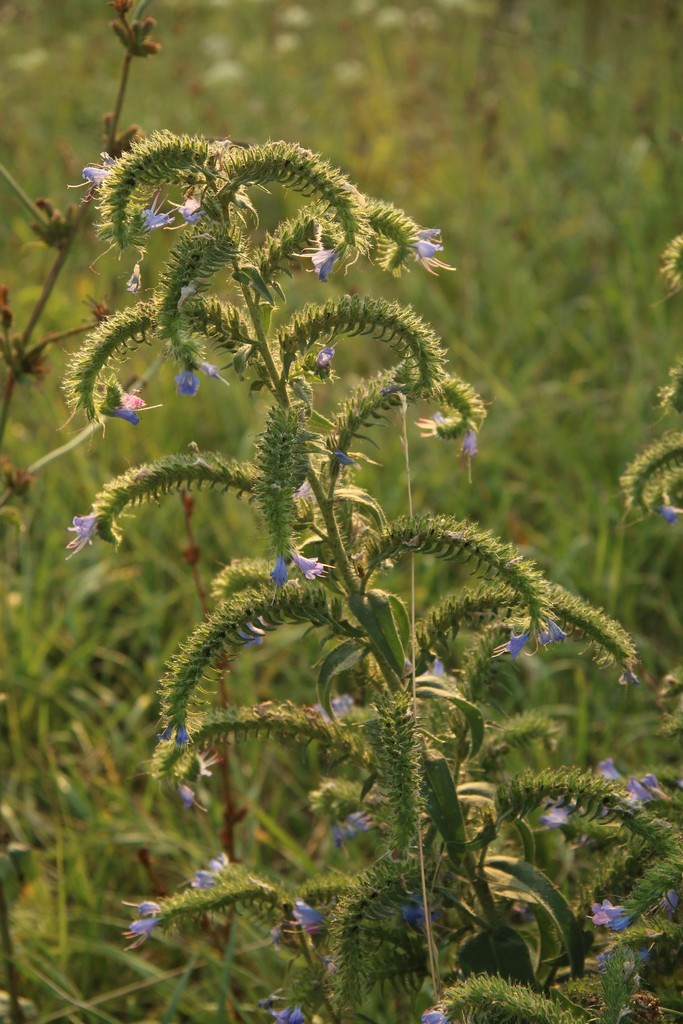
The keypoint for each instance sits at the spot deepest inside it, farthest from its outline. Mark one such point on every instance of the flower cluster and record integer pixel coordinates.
(310, 567)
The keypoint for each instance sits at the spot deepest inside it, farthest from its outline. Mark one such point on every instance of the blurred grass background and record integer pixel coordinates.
(544, 139)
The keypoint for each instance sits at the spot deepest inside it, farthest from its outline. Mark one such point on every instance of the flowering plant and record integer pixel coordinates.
(448, 893)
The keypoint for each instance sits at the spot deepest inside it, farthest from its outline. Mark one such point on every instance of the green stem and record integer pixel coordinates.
(20, 194)
(53, 336)
(334, 540)
(277, 381)
(6, 399)
(8, 957)
(123, 82)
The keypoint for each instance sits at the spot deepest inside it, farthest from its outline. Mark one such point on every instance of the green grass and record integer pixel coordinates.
(544, 140)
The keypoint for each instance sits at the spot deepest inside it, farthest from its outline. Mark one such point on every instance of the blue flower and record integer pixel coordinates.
(125, 414)
(514, 646)
(219, 863)
(279, 573)
(212, 371)
(96, 174)
(203, 880)
(290, 1015)
(310, 920)
(426, 249)
(669, 513)
(342, 704)
(645, 789)
(182, 736)
(166, 733)
(85, 528)
(469, 444)
(390, 389)
(556, 815)
(413, 913)
(669, 903)
(186, 795)
(627, 676)
(612, 917)
(190, 210)
(187, 383)
(552, 635)
(135, 280)
(324, 358)
(354, 823)
(437, 667)
(254, 637)
(153, 218)
(141, 930)
(323, 261)
(608, 769)
(304, 493)
(343, 458)
(433, 1017)
(310, 567)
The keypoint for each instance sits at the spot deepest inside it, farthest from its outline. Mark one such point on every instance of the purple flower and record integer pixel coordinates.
(187, 383)
(627, 676)
(310, 920)
(390, 389)
(254, 637)
(153, 218)
(219, 863)
(130, 403)
(148, 907)
(310, 567)
(211, 371)
(556, 815)
(437, 667)
(343, 458)
(181, 736)
(645, 789)
(612, 917)
(324, 358)
(290, 1015)
(186, 795)
(669, 903)
(279, 573)
(85, 528)
(469, 444)
(323, 261)
(203, 880)
(141, 930)
(433, 1017)
(342, 704)
(96, 174)
(190, 210)
(354, 823)
(608, 769)
(165, 734)
(669, 513)
(552, 635)
(514, 646)
(304, 493)
(135, 280)
(425, 249)
(413, 913)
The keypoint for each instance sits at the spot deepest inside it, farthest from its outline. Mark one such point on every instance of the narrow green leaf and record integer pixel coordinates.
(470, 712)
(535, 887)
(341, 659)
(373, 611)
(444, 806)
(400, 613)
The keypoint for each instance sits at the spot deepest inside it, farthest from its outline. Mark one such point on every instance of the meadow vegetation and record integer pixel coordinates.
(544, 140)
